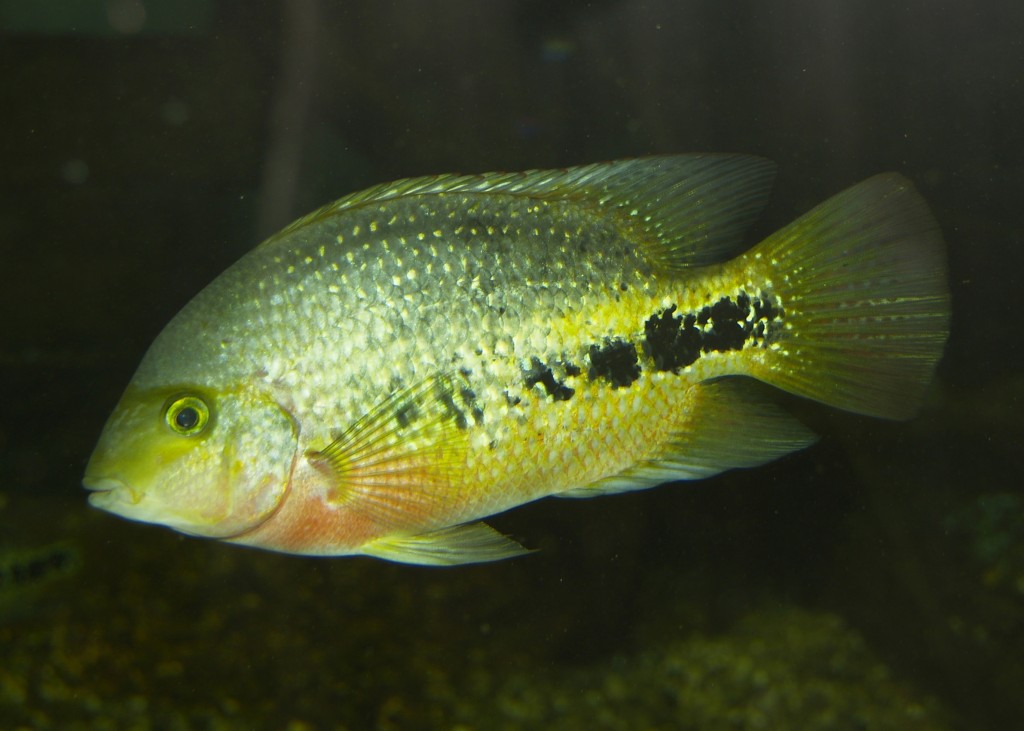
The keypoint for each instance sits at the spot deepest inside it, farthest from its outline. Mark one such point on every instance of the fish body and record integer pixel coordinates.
(27, 573)
(399, 364)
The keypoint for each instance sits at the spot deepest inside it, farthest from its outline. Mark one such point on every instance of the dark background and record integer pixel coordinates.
(145, 145)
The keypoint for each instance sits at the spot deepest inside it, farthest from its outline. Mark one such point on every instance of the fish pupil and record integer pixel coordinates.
(187, 418)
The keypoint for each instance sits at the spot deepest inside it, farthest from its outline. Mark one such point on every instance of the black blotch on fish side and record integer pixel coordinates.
(727, 321)
(468, 397)
(675, 341)
(406, 414)
(615, 361)
(451, 410)
(730, 327)
(766, 312)
(672, 342)
(542, 374)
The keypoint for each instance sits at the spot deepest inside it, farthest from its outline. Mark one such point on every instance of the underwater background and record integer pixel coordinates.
(873, 581)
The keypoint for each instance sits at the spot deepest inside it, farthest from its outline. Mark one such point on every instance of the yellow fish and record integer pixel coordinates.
(399, 364)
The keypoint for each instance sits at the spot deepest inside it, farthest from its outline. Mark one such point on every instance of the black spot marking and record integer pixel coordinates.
(676, 341)
(406, 414)
(468, 396)
(451, 409)
(535, 373)
(672, 342)
(727, 325)
(615, 361)
(542, 374)
(572, 369)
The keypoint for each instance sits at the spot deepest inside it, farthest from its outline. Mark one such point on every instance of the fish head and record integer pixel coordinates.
(208, 462)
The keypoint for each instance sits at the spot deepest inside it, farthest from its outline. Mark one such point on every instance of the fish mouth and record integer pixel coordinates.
(108, 491)
(101, 484)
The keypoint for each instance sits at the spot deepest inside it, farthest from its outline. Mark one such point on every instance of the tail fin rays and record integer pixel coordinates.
(862, 281)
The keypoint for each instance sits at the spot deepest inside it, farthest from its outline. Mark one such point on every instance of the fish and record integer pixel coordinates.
(27, 572)
(400, 364)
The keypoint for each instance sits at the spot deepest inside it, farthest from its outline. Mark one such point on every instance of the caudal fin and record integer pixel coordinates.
(862, 282)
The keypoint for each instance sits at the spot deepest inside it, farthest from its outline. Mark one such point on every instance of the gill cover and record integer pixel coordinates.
(207, 463)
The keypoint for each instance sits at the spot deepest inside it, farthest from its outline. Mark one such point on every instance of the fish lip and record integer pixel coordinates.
(109, 491)
(101, 484)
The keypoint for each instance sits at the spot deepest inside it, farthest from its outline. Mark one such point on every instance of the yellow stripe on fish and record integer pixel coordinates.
(401, 363)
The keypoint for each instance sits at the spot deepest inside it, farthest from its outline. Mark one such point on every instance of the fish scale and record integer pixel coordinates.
(476, 277)
(412, 358)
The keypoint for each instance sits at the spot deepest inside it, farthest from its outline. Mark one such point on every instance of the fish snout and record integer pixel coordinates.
(108, 491)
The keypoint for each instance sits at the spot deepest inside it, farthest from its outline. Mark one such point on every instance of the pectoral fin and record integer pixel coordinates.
(460, 544)
(402, 460)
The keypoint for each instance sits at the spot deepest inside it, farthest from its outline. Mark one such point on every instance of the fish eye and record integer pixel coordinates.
(187, 415)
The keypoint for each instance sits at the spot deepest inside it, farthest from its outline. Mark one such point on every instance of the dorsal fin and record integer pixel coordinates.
(687, 210)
